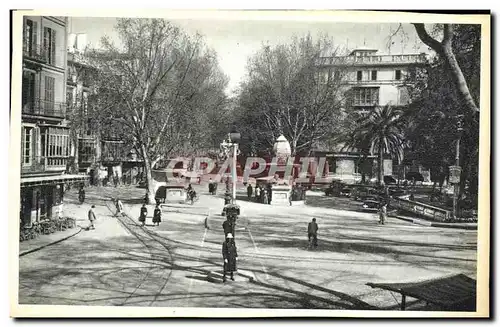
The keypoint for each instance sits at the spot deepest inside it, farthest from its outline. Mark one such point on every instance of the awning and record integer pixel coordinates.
(52, 180)
(457, 292)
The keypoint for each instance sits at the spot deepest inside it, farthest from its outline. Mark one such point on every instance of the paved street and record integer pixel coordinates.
(121, 263)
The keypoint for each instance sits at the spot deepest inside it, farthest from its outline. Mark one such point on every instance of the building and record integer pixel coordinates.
(96, 151)
(370, 80)
(45, 141)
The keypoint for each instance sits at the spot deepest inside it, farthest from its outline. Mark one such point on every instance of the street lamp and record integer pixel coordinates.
(234, 138)
(455, 171)
(227, 145)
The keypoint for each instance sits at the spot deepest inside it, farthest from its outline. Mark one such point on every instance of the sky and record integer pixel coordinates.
(236, 40)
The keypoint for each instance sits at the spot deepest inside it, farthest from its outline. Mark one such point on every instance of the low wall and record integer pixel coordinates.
(421, 209)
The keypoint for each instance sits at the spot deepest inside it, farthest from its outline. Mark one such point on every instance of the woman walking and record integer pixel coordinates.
(144, 213)
(157, 216)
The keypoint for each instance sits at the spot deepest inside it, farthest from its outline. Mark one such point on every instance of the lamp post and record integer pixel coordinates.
(455, 171)
(231, 146)
(234, 138)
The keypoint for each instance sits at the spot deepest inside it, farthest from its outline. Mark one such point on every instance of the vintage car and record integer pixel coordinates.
(335, 188)
(171, 194)
(346, 192)
(371, 205)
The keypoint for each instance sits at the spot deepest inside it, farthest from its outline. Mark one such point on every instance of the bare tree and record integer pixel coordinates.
(153, 87)
(290, 91)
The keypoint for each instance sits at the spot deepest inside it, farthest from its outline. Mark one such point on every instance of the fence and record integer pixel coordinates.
(421, 209)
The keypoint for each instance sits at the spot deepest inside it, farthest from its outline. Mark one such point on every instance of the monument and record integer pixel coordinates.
(281, 189)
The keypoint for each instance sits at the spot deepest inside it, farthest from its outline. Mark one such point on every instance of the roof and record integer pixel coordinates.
(449, 292)
(52, 179)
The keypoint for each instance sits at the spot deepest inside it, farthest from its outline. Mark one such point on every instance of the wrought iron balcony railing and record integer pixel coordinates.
(42, 107)
(43, 54)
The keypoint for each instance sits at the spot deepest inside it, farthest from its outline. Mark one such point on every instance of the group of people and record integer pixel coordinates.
(260, 193)
(156, 215)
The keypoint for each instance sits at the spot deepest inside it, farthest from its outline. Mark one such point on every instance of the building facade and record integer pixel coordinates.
(370, 79)
(45, 139)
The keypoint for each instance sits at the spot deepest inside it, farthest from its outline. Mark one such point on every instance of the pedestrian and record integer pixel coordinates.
(257, 193)
(269, 193)
(157, 215)
(249, 191)
(312, 232)
(119, 207)
(230, 256)
(210, 186)
(228, 226)
(144, 213)
(382, 213)
(265, 198)
(92, 217)
(81, 194)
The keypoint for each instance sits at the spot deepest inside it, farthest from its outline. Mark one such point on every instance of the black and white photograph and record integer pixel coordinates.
(249, 164)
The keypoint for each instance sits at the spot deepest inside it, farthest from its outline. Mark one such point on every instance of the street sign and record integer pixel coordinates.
(455, 174)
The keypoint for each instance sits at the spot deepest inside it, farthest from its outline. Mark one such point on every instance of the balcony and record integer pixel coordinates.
(405, 59)
(42, 54)
(41, 107)
(41, 164)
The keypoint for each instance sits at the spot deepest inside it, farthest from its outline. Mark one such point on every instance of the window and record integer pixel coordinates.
(49, 45)
(398, 74)
(336, 76)
(49, 92)
(28, 92)
(69, 97)
(27, 146)
(30, 37)
(55, 146)
(374, 75)
(367, 96)
(359, 75)
(86, 150)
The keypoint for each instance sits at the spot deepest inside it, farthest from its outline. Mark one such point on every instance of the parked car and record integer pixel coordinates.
(371, 205)
(361, 193)
(346, 192)
(396, 191)
(334, 188)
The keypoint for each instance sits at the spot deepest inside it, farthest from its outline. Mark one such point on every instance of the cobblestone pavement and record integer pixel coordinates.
(122, 263)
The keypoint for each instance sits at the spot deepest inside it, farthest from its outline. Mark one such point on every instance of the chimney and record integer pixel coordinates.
(71, 42)
(81, 42)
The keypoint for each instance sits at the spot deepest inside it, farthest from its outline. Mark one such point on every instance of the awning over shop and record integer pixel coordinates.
(457, 292)
(52, 180)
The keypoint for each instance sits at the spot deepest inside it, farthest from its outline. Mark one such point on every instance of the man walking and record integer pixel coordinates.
(81, 194)
(382, 213)
(92, 217)
(119, 208)
(312, 232)
(230, 255)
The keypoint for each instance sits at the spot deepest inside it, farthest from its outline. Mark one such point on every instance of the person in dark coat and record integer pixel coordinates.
(157, 215)
(144, 213)
(230, 256)
(119, 208)
(312, 231)
(228, 226)
(81, 194)
(269, 193)
(249, 191)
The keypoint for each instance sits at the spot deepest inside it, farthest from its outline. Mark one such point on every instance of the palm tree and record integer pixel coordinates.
(381, 130)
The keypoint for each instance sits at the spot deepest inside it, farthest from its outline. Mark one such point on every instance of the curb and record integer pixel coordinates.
(49, 244)
(435, 224)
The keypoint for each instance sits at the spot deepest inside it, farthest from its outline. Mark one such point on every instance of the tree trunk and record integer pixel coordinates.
(74, 165)
(150, 188)
(445, 50)
(380, 165)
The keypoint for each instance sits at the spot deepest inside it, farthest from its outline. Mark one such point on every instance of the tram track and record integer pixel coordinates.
(144, 239)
